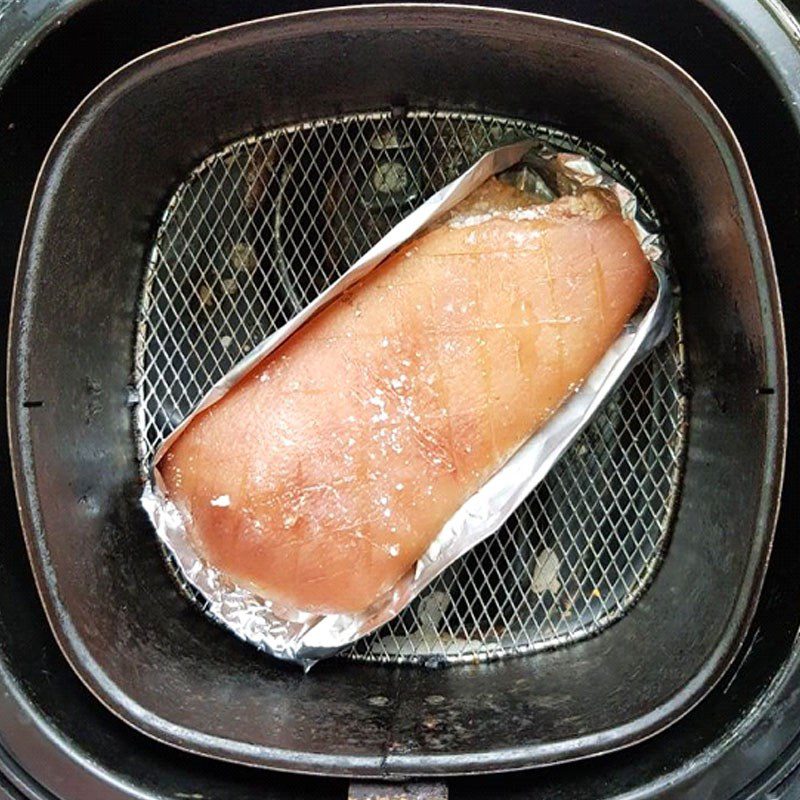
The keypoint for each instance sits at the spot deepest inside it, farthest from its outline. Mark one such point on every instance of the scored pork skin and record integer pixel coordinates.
(325, 473)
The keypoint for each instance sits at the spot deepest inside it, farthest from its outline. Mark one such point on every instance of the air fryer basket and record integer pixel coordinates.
(260, 227)
(130, 636)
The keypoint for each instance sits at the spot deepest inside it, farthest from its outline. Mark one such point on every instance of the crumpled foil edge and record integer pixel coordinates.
(305, 637)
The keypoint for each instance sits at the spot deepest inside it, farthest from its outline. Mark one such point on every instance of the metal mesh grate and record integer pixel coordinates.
(258, 229)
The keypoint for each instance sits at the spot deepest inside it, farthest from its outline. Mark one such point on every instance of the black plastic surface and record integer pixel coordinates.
(122, 624)
(712, 753)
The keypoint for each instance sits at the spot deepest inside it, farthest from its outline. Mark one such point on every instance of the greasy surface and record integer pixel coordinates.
(323, 475)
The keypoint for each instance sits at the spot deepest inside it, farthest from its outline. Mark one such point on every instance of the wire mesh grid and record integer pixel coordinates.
(261, 227)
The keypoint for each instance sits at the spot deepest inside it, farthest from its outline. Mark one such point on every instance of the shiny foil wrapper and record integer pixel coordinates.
(304, 637)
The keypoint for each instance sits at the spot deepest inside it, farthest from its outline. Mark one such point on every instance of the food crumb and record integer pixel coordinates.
(206, 295)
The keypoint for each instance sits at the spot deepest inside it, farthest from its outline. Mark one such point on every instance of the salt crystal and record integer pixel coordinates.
(467, 221)
(223, 501)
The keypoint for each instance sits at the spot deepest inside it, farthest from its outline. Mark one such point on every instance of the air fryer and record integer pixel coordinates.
(763, 389)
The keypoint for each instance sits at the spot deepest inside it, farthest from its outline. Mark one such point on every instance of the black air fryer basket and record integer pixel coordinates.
(208, 189)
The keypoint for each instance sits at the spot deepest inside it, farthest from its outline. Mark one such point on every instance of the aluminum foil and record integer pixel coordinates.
(304, 637)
